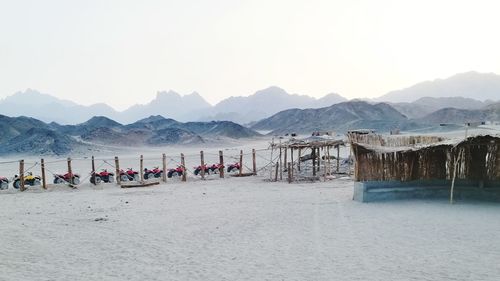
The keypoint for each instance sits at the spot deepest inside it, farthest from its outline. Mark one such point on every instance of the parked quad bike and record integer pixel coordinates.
(29, 179)
(68, 177)
(233, 167)
(4, 183)
(197, 170)
(102, 176)
(129, 175)
(177, 172)
(155, 173)
(215, 168)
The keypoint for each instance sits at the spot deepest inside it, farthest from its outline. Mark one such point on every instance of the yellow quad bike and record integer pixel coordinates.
(29, 179)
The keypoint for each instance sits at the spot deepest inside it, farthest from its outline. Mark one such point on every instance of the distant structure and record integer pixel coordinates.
(323, 133)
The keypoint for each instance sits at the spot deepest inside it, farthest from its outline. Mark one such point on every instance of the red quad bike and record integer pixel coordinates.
(233, 167)
(155, 173)
(177, 172)
(197, 170)
(129, 175)
(68, 177)
(215, 168)
(4, 183)
(102, 176)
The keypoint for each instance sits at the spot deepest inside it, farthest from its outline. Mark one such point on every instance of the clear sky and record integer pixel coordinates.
(123, 52)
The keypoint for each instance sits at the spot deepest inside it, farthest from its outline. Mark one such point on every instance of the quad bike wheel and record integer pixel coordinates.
(123, 177)
(58, 180)
(95, 179)
(4, 184)
(17, 184)
(76, 180)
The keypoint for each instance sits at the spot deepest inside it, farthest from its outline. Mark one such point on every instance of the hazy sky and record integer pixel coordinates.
(123, 52)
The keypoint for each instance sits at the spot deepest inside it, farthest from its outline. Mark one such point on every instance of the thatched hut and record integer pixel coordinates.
(422, 166)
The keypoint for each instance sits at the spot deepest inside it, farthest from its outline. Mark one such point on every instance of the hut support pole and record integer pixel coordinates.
(285, 161)
(289, 172)
(298, 162)
(291, 158)
(281, 164)
(276, 173)
(338, 158)
(314, 160)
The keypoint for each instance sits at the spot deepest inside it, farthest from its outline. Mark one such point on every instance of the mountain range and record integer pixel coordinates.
(29, 135)
(470, 90)
(382, 117)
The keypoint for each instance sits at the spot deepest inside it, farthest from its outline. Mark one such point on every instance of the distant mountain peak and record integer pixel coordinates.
(152, 118)
(472, 84)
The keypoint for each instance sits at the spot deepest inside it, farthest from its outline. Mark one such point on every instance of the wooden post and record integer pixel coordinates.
(291, 158)
(202, 161)
(70, 171)
(285, 156)
(338, 158)
(281, 164)
(276, 173)
(324, 164)
(221, 162)
(349, 160)
(298, 159)
(117, 170)
(241, 162)
(313, 155)
(254, 163)
(329, 164)
(289, 170)
(93, 171)
(183, 164)
(141, 167)
(21, 175)
(44, 181)
(164, 173)
(319, 159)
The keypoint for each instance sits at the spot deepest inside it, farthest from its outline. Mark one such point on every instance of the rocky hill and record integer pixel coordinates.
(338, 117)
(29, 135)
(474, 85)
(426, 105)
(489, 113)
(40, 141)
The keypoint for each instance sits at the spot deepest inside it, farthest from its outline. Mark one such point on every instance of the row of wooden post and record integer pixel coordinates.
(141, 164)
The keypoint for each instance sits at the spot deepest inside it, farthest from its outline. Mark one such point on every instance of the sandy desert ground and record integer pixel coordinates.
(240, 229)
